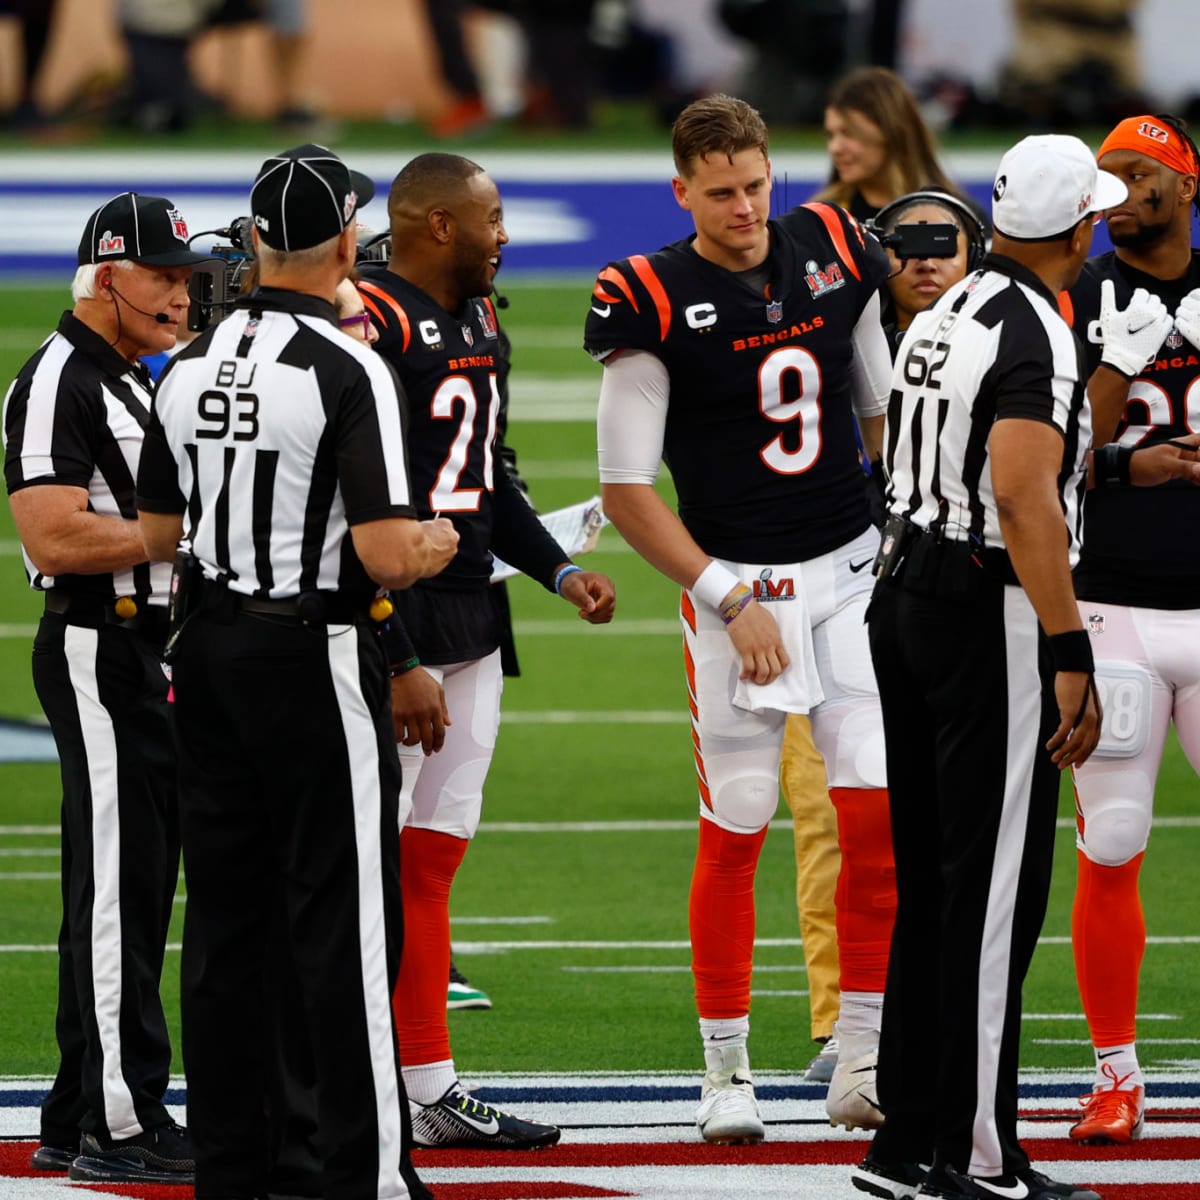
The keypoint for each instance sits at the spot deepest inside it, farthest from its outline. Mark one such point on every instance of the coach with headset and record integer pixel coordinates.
(277, 452)
(74, 422)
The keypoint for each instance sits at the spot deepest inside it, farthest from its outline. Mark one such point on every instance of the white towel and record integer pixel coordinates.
(798, 689)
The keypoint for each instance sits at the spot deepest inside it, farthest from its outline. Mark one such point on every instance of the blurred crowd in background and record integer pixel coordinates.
(548, 63)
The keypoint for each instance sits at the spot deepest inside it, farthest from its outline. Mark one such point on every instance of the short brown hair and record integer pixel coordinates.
(717, 124)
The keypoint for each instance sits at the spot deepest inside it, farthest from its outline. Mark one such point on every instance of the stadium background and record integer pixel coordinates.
(570, 909)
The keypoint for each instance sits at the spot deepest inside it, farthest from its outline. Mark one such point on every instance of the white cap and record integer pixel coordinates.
(1047, 183)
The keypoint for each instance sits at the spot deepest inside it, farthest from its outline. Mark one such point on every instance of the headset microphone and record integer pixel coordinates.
(160, 317)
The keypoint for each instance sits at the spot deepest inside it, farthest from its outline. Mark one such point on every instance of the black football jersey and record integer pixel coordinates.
(1135, 547)
(760, 432)
(449, 365)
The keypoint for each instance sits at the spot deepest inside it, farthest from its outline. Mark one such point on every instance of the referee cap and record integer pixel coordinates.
(143, 229)
(1046, 184)
(305, 196)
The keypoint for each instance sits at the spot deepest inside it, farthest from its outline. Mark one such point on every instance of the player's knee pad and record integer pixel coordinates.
(1115, 828)
(849, 735)
(743, 801)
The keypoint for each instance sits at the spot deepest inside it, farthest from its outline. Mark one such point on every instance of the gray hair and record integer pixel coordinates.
(83, 286)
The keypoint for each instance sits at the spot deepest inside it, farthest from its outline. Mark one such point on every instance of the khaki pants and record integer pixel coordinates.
(818, 861)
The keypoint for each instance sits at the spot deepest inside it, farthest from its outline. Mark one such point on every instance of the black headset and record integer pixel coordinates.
(968, 220)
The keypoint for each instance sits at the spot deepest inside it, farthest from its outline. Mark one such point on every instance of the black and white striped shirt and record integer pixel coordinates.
(992, 347)
(275, 432)
(76, 416)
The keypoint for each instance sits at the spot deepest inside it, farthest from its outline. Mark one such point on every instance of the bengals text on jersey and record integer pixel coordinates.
(760, 419)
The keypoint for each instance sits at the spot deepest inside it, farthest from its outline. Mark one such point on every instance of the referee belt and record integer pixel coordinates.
(923, 560)
(308, 608)
(92, 612)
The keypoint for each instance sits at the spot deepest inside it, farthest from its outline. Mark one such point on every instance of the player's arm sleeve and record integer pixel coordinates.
(397, 644)
(871, 379)
(632, 418)
(519, 538)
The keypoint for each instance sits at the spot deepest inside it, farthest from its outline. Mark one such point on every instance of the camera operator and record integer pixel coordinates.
(73, 425)
(282, 442)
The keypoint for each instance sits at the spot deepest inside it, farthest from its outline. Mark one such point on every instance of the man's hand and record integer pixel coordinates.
(1132, 335)
(419, 710)
(592, 593)
(1187, 317)
(1163, 461)
(1079, 719)
(755, 636)
(442, 539)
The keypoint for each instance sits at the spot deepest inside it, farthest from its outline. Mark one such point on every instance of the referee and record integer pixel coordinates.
(985, 675)
(277, 452)
(73, 428)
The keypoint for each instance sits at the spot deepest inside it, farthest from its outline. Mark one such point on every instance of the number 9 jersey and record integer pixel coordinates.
(760, 417)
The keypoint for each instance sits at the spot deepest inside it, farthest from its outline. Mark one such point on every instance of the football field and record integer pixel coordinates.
(571, 907)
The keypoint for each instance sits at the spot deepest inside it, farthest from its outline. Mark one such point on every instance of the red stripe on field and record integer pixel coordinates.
(687, 1154)
(1150, 1191)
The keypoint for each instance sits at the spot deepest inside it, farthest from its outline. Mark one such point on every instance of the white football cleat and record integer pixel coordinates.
(853, 1099)
(728, 1113)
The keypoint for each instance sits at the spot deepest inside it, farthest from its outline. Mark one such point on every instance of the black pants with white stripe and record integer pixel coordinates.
(968, 706)
(289, 785)
(104, 693)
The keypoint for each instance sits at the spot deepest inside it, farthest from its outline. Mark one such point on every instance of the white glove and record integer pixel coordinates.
(1187, 317)
(1132, 335)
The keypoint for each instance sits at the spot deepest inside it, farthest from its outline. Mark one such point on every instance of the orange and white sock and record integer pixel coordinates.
(428, 863)
(721, 919)
(866, 888)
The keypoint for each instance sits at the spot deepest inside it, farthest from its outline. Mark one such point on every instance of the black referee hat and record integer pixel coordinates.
(305, 196)
(143, 229)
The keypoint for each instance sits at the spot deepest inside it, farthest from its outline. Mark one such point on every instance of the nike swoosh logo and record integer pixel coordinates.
(738, 1080)
(856, 567)
(1101, 1054)
(1018, 1191)
(490, 1126)
(602, 312)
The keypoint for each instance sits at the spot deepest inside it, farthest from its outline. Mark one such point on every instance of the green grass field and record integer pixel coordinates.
(595, 731)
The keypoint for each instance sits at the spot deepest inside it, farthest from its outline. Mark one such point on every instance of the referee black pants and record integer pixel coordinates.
(289, 784)
(104, 693)
(968, 706)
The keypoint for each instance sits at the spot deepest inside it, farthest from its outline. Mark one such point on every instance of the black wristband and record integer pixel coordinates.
(1072, 651)
(1110, 465)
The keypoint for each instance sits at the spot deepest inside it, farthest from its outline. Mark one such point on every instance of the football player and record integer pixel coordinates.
(439, 330)
(741, 357)
(1137, 311)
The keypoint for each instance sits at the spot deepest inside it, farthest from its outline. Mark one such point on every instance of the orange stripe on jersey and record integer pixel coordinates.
(1066, 308)
(372, 289)
(607, 297)
(373, 309)
(658, 293)
(610, 275)
(833, 223)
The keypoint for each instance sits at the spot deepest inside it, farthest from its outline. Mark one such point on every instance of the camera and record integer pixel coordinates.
(921, 241)
(216, 286)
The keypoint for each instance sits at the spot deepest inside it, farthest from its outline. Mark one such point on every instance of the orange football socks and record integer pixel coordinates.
(866, 887)
(1108, 934)
(428, 863)
(721, 916)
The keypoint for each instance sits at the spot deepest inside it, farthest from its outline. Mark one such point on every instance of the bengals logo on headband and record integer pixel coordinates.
(1155, 132)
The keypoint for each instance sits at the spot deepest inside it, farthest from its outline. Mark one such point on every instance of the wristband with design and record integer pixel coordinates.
(737, 602)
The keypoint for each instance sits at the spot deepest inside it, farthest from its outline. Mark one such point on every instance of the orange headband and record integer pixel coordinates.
(1145, 135)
